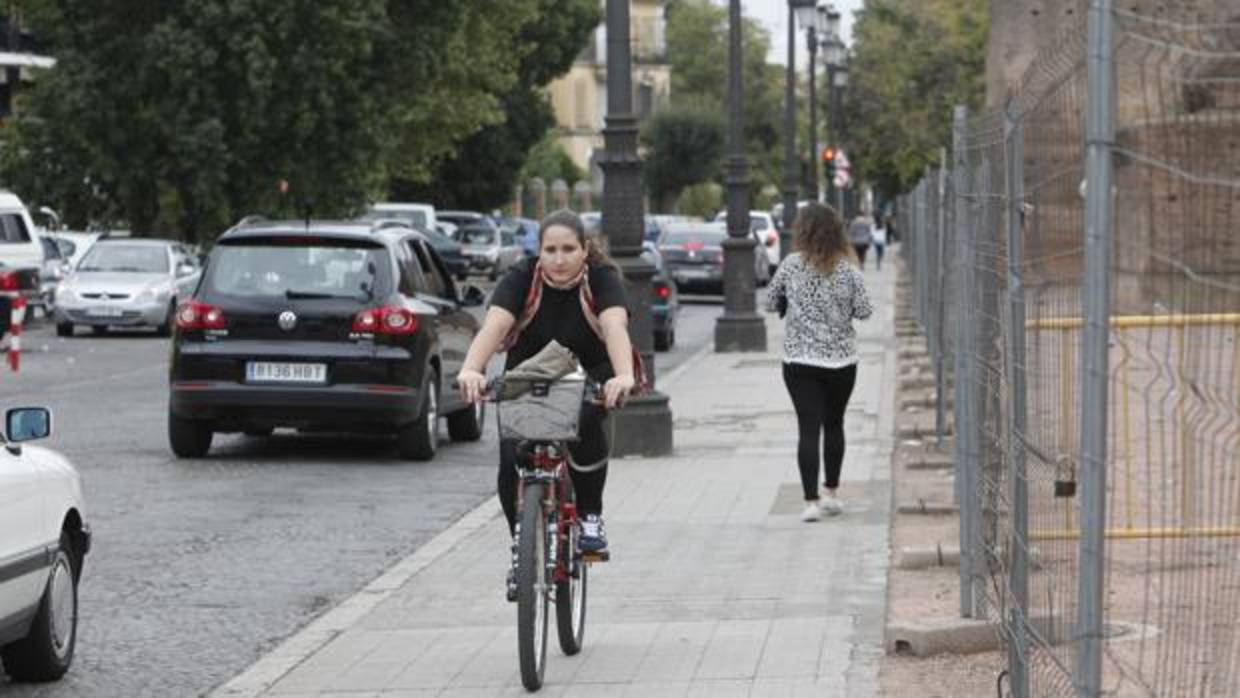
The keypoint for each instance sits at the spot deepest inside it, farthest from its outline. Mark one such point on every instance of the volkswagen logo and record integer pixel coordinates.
(288, 320)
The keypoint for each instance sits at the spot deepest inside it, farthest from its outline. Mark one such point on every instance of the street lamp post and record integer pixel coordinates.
(644, 425)
(740, 328)
(805, 12)
(811, 39)
(839, 80)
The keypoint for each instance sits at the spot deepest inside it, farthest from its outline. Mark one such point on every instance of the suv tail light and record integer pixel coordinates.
(192, 315)
(662, 291)
(772, 237)
(8, 281)
(385, 320)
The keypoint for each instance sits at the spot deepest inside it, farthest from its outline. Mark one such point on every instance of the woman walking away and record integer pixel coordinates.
(823, 292)
(573, 294)
(860, 237)
(878, 236)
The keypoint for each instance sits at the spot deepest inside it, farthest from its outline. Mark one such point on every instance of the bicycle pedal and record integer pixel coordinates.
(596, 555)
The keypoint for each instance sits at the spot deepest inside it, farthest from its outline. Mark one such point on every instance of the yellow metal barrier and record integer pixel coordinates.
(1182, 445)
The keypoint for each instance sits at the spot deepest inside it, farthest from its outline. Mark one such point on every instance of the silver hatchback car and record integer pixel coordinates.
(126, 282)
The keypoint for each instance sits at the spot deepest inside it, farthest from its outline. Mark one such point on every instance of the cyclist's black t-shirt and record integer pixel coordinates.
(560, 316)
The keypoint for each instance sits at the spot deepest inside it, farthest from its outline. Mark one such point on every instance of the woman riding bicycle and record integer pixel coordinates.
(573, 294)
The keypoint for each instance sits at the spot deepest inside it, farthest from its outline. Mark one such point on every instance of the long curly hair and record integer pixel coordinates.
(596, 254)
(820, 238)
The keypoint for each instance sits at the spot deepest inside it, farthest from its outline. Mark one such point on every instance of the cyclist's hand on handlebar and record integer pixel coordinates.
(616, 390)
(472, 385)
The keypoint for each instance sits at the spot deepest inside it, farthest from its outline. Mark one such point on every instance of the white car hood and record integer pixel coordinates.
(115, 282)
(65, 482)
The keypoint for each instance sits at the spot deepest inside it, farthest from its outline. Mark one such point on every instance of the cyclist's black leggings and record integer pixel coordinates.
(591, 449)
(820, 396)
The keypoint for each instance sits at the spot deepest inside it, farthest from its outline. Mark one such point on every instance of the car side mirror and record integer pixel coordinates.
(473, 297)
(27, 424)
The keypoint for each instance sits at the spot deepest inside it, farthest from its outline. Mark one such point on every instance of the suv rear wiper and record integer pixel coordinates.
(314, 295)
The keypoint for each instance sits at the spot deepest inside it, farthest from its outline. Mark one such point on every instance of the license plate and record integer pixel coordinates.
(105, 312)
(693, 273)
(276, 372)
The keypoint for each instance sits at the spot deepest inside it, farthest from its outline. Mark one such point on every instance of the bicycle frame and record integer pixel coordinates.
(549, 465)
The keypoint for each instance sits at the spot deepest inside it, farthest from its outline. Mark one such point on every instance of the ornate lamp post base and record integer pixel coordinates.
(740, 333)
(643, 427)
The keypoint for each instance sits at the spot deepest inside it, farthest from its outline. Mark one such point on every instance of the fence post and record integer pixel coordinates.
(1018, 550)
(966, 455)
(939, 309)
(1095, 362)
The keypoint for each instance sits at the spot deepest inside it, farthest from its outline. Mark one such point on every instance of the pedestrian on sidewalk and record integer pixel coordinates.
(878, 237)
(571, 293)
(823, 291)
(860, 236)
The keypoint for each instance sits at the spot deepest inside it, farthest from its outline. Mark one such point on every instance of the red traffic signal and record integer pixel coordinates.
(828, 154)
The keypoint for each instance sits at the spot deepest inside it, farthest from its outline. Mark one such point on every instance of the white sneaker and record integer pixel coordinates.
(811, 512)
(830, 506)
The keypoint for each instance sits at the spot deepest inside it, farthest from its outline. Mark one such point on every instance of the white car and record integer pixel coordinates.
(762, 226)
(43, 542)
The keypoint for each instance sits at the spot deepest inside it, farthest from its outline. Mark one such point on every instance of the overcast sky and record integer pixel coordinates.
(774, 14)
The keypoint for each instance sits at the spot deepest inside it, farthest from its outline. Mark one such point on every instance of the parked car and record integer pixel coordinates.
(461, 218)
(55, 268)
(694, 255)
(665, 303)
(450, 251)
(21, 253)
(762, 225)
(526, 232)
(325, 326)
(74, 244)
(422, 216)
(44, 539)
(492, 251)
(126, 282)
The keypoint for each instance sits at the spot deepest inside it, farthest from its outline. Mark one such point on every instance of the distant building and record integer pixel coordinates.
(580, 97)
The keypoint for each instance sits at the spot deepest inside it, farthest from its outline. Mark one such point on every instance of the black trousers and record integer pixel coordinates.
(820, 396)
(591, 449)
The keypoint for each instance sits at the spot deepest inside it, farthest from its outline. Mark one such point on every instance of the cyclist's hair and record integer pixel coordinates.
(820, 237)
(595, 246)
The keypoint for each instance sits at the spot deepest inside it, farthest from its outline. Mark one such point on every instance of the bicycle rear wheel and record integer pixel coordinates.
(532, 589)
(570, 594)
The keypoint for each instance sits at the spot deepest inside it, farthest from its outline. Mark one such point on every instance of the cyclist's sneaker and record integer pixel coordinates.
(811, 512)
(593, 536)
(831, 506)
(510, 586)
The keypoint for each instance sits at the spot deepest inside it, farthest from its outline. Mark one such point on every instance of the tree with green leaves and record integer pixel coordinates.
(180, 117)
(484, 168)
(684, 146)
(697, 49)
(912, 63)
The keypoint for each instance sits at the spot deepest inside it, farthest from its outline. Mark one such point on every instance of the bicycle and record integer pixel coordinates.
(542, 416)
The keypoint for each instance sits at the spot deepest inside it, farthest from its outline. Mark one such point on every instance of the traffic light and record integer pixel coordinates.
(828, 160)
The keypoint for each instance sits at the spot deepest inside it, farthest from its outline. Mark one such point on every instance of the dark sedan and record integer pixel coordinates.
(665, 304)
(322, 327)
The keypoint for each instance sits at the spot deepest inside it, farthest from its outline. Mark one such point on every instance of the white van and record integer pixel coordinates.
(21, 252)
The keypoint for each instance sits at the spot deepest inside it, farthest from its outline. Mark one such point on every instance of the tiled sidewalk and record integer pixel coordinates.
(715, 587)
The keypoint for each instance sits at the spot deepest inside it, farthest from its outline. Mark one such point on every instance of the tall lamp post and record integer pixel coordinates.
(644, 425)
(740, 328)
(805, 12)
(833, 54)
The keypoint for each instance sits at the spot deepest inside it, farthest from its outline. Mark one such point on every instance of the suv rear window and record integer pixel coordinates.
(283, 270)
(476, 235)
(706, 237)
(13, 228)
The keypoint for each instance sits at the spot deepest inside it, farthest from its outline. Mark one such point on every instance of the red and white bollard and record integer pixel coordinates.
(15, 332)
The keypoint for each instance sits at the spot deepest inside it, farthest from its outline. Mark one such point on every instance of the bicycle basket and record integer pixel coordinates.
(539, 409)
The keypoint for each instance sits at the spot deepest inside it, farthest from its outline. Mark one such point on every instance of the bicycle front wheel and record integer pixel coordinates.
(570, 594)
(532, 589)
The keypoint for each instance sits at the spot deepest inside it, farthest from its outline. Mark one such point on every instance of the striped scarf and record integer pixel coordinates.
(533, 299)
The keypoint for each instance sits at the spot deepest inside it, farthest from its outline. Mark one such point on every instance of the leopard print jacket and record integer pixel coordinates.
(821, 308)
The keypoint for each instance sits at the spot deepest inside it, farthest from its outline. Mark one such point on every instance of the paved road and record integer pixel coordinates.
(201, 566)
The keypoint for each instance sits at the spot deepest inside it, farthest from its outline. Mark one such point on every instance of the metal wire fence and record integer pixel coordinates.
(1076, 266)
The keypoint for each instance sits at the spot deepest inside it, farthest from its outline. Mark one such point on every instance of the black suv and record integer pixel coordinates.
(322, 326)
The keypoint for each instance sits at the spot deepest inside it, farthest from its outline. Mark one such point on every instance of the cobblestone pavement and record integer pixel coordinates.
(200, 567)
